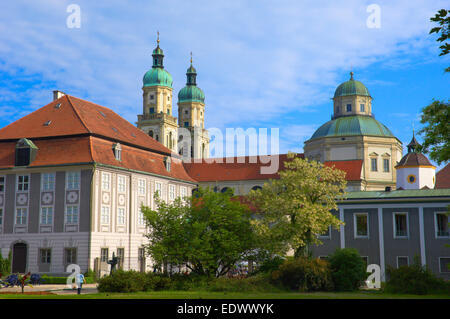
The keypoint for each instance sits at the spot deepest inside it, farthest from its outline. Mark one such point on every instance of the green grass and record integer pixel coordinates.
(222, 295)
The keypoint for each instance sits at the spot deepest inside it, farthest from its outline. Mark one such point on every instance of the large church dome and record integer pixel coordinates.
(352, 125)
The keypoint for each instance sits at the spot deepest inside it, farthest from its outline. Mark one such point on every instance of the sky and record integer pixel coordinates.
(261, 64)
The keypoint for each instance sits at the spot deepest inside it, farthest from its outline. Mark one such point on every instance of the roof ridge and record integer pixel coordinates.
(76, 113)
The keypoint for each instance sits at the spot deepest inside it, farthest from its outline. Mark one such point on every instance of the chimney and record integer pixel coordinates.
(57, 94)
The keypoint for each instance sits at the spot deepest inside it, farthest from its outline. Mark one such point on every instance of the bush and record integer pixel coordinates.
(415, 279)
(5, 264)
(257, 283)
(123, 281)
(304, 274)
(51, 280)
(270, 265)
(348, 269)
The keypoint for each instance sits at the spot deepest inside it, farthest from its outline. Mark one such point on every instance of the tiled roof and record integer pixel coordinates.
(238, 168)
(443, 177)
(398, 194)
(413, 159)
(352, 168)
(210, 170)
(69, 115)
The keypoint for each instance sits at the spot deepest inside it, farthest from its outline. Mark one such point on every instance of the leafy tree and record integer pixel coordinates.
(436, 131)
(443, 19)
(208, 233)
(294, 209)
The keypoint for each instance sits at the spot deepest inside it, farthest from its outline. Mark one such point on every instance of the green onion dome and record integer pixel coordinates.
(351, 126)
(191, 92)
(157, 76)
(351, 87)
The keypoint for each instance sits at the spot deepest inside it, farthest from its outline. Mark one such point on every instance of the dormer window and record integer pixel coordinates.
(26, 152)
(117, 151)
(167, 163)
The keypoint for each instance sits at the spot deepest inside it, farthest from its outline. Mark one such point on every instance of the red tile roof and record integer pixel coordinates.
(352, 168)
(238, 168)
(75, 116)
(210, 171)
(413, 159)
(443, 177)
(84, 132)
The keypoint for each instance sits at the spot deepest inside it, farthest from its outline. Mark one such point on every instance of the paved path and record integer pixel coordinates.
(56, 289)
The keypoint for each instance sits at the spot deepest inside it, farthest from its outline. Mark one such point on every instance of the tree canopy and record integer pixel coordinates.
(208, 233)
(436, 131)
(443, 30)
(294, 209)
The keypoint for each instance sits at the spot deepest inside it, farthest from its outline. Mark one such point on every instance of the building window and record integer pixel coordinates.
(72, 214)
(21, 216)
(402, 261)
(2, 184)
(141, 220)
(45, 256)
(441, 221)
(327, 233)
(361, 221)
(70, 256)
(121, 216)
(168, 111)
(171, 192)
(104, 255)
(106, 181)
(186, 112)
(117, 151)
(158, 189)
(152, 110)
(167, 163)
(361, 107)
(48, 181)
(183, 192)
(373, 165)
(338, 109)
(105, 215)
(400, 225)
(23, 183)
(152, 96)
(73, 180)
(386, 165)
(120, 257)
(121, 184)
(349, 107)
(46, 215)
(444, 264)
(1, 217)
(186, 124)
(411, 179)
(141, 186)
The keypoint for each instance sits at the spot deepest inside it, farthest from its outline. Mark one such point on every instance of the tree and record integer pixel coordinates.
(443, 19)
(436, 131)
(208, 233)
(294, 209)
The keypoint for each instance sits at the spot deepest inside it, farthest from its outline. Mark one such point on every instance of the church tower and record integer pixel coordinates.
(191, 119)
(157, 119)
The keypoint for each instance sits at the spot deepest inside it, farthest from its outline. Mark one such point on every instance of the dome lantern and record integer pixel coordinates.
(157, 75)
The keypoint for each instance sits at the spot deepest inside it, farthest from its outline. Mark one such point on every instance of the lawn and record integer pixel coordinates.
(222, 295)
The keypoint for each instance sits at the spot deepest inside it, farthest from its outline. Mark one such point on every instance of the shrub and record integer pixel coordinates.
(5, 264)
(257, 283)
(51, 280)
(123, 281)
(415, 279)
(304, 274)
(348, 269)
(270, 265)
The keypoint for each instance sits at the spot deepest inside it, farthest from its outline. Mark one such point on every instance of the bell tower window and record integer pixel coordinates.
(349, 107)
(362, 107)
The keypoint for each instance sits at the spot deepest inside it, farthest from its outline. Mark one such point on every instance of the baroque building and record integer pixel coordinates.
(353, 134)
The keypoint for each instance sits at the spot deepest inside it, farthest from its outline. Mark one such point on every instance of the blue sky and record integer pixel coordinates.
(260, 63)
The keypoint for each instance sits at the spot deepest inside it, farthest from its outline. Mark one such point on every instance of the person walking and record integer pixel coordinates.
(80, 280)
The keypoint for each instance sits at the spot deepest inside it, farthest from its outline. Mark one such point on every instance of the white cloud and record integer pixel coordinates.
(257, 61)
